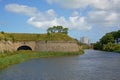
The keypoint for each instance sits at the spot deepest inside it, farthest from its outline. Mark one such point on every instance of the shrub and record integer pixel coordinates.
(109, 47)
(117, 48)
(2, 32)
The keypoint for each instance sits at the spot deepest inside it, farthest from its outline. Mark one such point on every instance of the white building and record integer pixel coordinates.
(84, 40)
(117, 41)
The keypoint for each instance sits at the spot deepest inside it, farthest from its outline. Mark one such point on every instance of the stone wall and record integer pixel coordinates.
(6, 46)
(56, 46)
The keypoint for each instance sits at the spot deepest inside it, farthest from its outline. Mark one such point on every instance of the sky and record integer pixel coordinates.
(84, 18)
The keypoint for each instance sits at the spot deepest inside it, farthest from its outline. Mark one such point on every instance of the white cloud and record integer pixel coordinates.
(22, 9)
(96, 4)
(49, 17)
(104, 13)
(79, 23)
(42, 23)
(75, 22)
(103, 18)
(72, 4)
(112, 5)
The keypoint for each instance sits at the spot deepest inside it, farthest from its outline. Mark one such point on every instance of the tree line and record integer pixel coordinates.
(107, 42)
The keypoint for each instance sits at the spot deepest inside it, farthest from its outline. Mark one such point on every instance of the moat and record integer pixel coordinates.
(93, 65)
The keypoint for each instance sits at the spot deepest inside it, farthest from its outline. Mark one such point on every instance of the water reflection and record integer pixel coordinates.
(93, 65)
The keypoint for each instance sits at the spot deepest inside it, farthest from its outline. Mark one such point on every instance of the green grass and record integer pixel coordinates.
(9, 58)
(35, 37)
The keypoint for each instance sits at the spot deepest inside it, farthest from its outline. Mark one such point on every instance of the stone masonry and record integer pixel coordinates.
(50, 46)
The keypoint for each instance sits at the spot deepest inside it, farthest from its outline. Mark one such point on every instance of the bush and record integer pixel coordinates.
(98, 46)
(109, 47)
(2, 32)
(117, 48)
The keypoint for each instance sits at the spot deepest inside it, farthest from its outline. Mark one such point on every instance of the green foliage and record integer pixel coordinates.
(107, 41)
(118, 34)
(2, 32)
(108, 38)
(112, 47)
(65, 30)
(115, 34)
(57, 29)
(98, 46)
(117, 48)
(109, 47)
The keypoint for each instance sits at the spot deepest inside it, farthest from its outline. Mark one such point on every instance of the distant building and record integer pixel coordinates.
(84, 40)
(117, 41)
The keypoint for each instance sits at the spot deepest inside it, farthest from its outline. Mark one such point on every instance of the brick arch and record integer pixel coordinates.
(26, 44)
(24, 47)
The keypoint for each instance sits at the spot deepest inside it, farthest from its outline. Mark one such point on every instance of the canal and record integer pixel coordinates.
(93, 65)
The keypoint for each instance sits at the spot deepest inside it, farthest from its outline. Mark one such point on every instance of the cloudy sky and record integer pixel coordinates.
(90, 18)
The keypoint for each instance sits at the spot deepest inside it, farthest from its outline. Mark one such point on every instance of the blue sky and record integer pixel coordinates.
(90, 18)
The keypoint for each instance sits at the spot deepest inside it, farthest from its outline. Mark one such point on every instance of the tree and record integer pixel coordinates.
(57, 29)
(50, 30)
(118, 34)
(115, 35)
(65, 30)
(107, 38)
(98, 46)
(54, 29)
(107, 41)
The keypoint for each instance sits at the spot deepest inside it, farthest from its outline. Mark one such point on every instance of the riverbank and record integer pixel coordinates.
(9, 58)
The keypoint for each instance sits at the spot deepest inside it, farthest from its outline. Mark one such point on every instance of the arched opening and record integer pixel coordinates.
(24, 48)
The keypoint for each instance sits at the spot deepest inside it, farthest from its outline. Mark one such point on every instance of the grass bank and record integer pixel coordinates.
(35, 37)
(9, 58)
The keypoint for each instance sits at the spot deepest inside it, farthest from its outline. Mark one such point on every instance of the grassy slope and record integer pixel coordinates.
(35, 37)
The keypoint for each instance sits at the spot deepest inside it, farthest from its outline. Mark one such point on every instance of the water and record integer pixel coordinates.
(93, 65)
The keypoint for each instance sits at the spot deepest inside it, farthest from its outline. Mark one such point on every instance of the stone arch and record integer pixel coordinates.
(24, 47)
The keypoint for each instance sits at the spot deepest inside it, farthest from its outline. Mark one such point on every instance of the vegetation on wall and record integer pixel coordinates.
(53, 33)
(35, 37)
